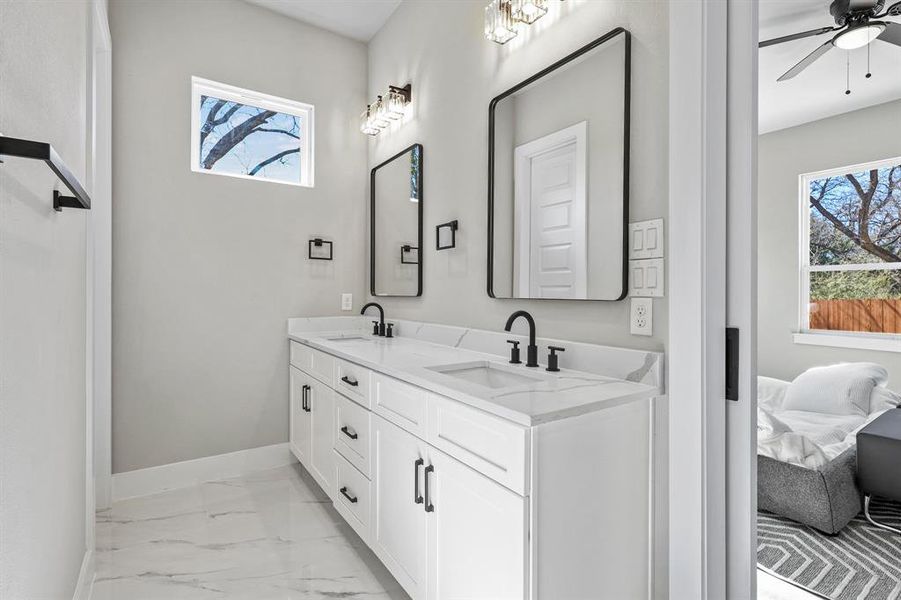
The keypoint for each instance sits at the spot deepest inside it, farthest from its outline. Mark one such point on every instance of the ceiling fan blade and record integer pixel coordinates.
(808, 60)
(892, 33)
(795, 36)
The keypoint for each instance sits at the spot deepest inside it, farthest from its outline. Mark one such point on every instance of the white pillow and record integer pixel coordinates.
(842, 389)
(883, 399)
(770, 393)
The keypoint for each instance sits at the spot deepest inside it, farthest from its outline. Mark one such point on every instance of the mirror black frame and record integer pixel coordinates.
(627, 91)
(372, 222)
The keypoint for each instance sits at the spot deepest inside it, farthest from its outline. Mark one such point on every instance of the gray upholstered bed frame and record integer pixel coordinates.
(825, 499)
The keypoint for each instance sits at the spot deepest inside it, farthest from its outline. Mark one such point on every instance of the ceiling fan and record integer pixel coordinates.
(857, 23)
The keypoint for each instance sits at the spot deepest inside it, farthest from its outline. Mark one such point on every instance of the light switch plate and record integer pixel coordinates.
(646, 239)
(642, 316)
(646, 278)
(347, 301)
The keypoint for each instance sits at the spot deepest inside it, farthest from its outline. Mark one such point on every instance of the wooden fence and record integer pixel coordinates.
(875, 316)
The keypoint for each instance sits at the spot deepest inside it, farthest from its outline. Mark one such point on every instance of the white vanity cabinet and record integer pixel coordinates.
(462, 504)
(312, 427)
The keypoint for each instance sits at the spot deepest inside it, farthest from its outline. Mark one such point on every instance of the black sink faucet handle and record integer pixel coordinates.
(390, 331)
(514, 352)
(552, 358)
(375, 328)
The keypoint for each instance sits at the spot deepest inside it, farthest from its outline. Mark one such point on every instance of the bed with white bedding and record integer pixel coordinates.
(806, 433)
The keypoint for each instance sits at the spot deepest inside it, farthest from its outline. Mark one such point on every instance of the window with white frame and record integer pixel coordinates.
(851, 249)
(242, 133)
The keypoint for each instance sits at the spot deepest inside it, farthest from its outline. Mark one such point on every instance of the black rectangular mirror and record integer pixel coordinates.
(395, 241)
(558, 178)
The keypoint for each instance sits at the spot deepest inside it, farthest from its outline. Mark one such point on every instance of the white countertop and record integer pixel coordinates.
(557, 396)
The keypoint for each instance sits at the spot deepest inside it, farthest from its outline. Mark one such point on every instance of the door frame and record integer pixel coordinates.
(712, 175)
(697, 300)
(99, 263)
(741, 299)
(522, 231)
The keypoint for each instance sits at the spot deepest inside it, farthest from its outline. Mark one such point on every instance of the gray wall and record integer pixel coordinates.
(860, 136)
(206, 269)
(43, 84)
(439, 46)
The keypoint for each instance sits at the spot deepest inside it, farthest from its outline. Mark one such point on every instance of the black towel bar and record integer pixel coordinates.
(45, 152)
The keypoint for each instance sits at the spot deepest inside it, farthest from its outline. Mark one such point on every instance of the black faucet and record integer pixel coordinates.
(378, 326)
(532, 350)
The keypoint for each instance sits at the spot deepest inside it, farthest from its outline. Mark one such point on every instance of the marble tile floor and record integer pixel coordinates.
(270, 535)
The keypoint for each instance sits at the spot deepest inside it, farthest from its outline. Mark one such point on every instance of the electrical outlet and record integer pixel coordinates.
(642, 316)
(347, 301)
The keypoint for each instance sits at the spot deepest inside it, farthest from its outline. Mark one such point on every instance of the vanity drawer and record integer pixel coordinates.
(322, 366)
(352, 381)
(300, 356)
(352, 496)
(491, 445)
(401, 403)
(352, 433)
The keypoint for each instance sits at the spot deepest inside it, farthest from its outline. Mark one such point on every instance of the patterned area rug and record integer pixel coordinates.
(862, 562)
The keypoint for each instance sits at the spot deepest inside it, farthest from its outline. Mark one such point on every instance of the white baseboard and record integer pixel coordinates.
(154, 480)
(85, 583)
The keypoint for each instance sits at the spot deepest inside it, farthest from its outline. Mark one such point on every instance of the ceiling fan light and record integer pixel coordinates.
(858, 37)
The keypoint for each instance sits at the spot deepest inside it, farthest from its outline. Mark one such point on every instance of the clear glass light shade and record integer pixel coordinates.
(528, 11)
(379, 112)
(858, 37)
(366, 123)
(499, 24)
(395, 104)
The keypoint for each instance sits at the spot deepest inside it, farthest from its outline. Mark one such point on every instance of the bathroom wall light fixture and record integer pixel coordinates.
(387, 108)
(499, 25)
(503, 17)
(528, 11)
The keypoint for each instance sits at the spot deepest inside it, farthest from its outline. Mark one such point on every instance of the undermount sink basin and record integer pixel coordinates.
(347, 338)
(487, 374)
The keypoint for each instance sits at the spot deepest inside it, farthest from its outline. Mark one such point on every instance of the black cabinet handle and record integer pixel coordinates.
(416, 497)
(306, 398)
(350, 381)
(348, 433)
(428, 501)
(353, 499)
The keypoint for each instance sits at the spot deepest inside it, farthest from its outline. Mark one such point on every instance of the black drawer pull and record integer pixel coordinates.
(353, 499)
(305, 398)
(352, 435)
(350, 381)
(428, 500)
(417, 498)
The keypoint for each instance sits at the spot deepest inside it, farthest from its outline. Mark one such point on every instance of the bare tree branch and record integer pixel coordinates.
(272, 159)
(285, 131)
(235, 136)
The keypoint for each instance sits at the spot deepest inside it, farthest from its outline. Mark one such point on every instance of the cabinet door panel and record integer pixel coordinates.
(398, 523)
(300, 434)
(477, 535)
(322, 407)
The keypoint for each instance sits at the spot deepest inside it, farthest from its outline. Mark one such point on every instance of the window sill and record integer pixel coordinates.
(866, 341)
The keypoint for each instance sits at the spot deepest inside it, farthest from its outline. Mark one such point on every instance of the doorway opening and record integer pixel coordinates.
(829, 301)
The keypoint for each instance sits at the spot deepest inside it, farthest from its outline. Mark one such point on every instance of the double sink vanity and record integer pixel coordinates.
(471, 477)
(472, 464)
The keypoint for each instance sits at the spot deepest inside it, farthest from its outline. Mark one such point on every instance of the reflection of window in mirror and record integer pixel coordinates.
(558, 177)
(397, 226)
